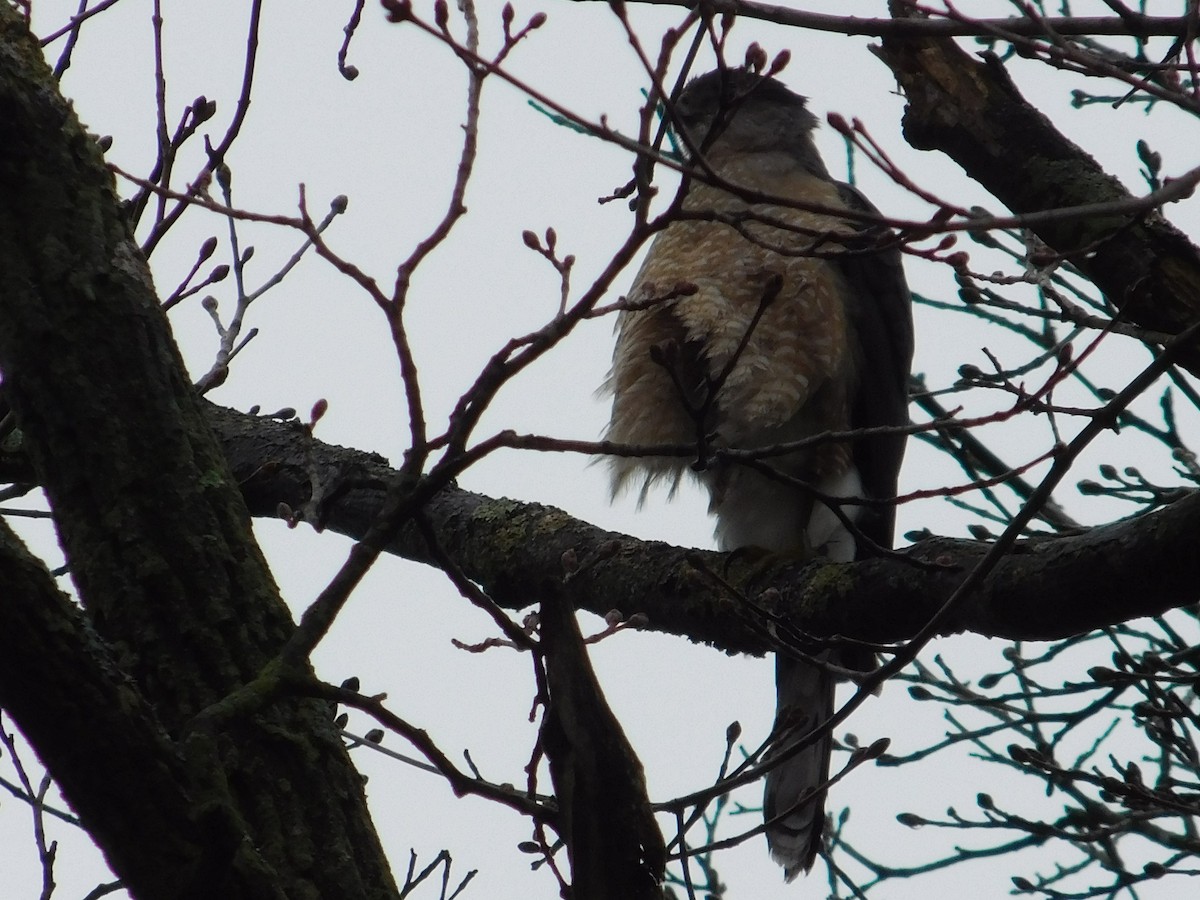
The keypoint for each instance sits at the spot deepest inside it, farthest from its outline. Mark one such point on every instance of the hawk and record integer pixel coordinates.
(752, 324)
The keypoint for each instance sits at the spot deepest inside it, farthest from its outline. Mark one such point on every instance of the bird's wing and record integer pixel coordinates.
(881, 314)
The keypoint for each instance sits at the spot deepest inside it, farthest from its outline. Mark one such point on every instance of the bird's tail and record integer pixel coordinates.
(804, 701)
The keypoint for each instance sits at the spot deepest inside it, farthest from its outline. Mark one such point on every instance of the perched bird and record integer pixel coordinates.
(752, 324)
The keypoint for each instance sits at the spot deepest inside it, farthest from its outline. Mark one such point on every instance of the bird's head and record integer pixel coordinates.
(732, 110)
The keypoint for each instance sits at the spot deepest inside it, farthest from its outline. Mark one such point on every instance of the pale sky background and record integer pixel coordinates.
(390, 142)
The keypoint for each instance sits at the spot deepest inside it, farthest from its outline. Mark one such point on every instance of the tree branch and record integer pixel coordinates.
(1046, 588)
(1132, 24)
(614, 844)
(970, 110)
(60, 682)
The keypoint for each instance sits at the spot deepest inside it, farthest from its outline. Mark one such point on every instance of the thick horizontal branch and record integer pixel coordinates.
(1045, 589)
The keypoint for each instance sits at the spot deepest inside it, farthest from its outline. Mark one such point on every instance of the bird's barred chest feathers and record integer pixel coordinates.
(793, 377)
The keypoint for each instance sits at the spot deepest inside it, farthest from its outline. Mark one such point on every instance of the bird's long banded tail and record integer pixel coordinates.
(804, 701)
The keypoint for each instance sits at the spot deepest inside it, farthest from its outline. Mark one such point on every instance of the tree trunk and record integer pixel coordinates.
(159, 545)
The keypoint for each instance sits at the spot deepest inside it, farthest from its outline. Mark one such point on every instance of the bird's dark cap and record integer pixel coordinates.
(729, 86)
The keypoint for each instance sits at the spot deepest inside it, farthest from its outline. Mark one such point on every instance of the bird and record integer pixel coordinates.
(752, 324)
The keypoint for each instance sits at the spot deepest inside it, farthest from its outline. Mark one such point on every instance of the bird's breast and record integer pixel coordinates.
(767, 313)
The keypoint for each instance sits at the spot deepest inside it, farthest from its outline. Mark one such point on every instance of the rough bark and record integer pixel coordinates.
(970, 109)
(60, 682)
(604, 816)
(156, 535)
(1045, 589)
